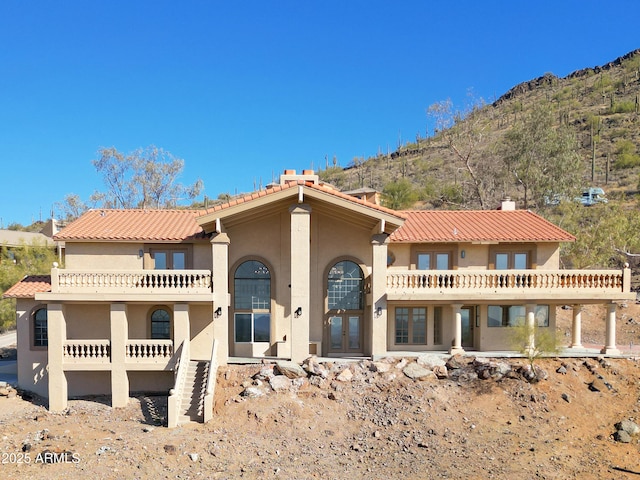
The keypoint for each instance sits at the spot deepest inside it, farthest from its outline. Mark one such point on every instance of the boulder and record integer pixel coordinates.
(628, 426)
(417, 372)
(314, 367)
(290, 369)
(280, 383)
(345, 376)
(431, 360)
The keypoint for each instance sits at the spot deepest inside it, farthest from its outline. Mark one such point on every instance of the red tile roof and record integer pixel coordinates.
(134, 225)
(478, 225)
(319, 187)
(29, 286)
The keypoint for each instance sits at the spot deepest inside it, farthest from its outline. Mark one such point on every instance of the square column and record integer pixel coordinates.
(456, 348)
(530, 326)
(220, 255)
(378, 333)
(181, 330)
(300, 280)
(57, 336)
(610, 336)
(119, 335)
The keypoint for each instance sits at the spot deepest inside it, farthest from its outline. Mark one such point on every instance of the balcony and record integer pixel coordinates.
(144, 285)
(523, 285)
(139, 354)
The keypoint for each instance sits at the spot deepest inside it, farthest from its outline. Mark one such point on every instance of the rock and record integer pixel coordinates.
(252, 392)
(430, 361)
(170, 449)
(194, 457)
(4, 392)
(345, 376)
(622, 437)
(566, 398)
(456, 361)
(290, 369)
(147, 429)
(102, 450)
(312, 366)
(598, 385)
(317, 381)
(266, 373)
(628, 426)
(441, 372)
(417, 372)
(280, 383)
(562, 370)
(380, 367)
(401, 364)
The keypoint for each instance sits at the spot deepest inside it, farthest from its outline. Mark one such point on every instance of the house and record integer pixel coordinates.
(153, 300)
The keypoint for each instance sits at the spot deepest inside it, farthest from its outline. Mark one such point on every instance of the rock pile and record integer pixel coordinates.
(286, 376)
(7, 390)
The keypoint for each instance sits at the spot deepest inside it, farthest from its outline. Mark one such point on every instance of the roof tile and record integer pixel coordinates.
(29, 286)
(134, 225)
(478, 225)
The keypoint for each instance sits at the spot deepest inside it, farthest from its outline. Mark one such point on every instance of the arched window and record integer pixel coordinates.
(344, 286)
(252, 302)
(160, 324)
(40, 336)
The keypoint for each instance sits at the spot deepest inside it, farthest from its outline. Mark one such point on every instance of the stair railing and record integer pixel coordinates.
(211, 383)
(175, 394)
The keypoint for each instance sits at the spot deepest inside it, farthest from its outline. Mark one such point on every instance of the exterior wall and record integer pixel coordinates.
(88, 383)
(157, 382)
(87, 321)
(103, 255)
(31, 363)
(548, 257)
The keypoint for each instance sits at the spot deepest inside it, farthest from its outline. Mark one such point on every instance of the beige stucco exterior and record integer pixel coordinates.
(100, 305)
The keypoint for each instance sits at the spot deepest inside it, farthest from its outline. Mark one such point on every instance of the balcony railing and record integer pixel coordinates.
(131, 281)
(86, 351)
(483, 282)
(145, 351)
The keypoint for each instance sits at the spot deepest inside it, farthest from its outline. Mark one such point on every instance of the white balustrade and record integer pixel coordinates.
(133, 281)
(89, 351)
(415, 281)
(148, 350)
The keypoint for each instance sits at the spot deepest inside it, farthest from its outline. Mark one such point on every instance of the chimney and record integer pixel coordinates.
(305, 176)
(508, 204)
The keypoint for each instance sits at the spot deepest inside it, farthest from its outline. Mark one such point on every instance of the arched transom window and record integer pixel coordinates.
(344, 286)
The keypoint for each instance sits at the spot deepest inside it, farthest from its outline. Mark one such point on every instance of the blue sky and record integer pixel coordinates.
(243, 90)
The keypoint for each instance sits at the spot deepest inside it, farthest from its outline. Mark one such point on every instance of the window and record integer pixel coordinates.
(433, 261)
(160, 324)
(40, 335)
(169, 259)
(411, 325)
(516, 315)
(511, 261)
(344, 286)
(252, 302)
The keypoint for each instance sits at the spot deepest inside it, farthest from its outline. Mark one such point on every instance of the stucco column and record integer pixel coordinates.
(576, 327)
(457, 330)
(610, 336)
(119, 335)
(57, 335)
(181, 330)
(300, 280)
(220, 255)
(378, 330)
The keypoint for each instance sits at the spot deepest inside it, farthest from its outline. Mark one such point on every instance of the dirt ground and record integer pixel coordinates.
(378, 424)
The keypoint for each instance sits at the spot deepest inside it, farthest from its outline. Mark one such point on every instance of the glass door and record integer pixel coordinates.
(468, 321)
(345, 334)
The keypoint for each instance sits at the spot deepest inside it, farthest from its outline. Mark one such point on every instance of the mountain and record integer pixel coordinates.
(599, 105)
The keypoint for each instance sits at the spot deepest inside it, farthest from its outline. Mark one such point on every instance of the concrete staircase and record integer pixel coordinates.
(193, 393)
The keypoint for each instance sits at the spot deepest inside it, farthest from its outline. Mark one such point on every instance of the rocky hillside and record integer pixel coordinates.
(600, 105)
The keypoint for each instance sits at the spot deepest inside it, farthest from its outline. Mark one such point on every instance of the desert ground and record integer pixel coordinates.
(482, 420)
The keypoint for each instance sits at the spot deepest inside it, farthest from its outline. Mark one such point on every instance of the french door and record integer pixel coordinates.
(345, 334)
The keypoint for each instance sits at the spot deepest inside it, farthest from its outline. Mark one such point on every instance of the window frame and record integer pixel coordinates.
(169, 312)
(34, 343)
(410, 333)
(258, 312)
(151, 251)
(511, 251)
(541, 313)
(433, 251)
